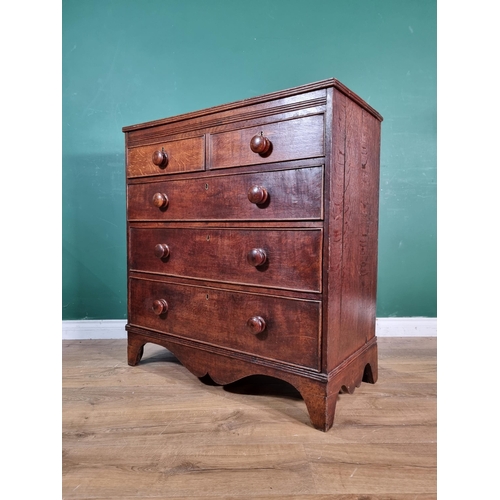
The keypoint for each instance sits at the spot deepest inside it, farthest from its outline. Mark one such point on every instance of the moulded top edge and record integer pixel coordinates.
(323, 84)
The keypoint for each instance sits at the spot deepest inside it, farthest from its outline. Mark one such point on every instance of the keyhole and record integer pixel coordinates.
(208, 238)
(207, 296)
(206, 187)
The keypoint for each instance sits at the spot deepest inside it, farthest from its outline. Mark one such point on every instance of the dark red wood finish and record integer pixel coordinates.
(257, 253)
(280, 141)
(291, 258)
(292, 327)
(290, 194)
(167, 157)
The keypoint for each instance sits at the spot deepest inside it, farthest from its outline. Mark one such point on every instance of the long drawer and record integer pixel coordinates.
(280, 258)
(280, 195)
(268, 326)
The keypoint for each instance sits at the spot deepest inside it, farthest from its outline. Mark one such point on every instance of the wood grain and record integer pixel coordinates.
(291, 103)
(293, 256)
(292, 194)
(183, 156)
(155, 431)
(360, 231)
(200, 313)
(290, 140)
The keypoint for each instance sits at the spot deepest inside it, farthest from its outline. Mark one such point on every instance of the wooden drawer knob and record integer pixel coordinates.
(162, 251)
(257, 324)
(160, 306)
(256, 257)
(260, 144)
(257, 195)
(160, 200)
(160, 158)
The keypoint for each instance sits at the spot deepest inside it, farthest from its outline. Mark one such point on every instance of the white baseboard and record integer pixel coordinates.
(94, 329)
(115, 328)
(406, 327)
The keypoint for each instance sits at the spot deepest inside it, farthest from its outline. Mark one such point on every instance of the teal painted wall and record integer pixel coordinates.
(129, 61)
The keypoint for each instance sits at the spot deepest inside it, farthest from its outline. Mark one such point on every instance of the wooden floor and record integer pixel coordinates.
(156, 431)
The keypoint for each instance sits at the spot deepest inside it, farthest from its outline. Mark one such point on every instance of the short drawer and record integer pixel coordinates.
(279, 258)
(268, 326)
(279, 195)
(184, 155)
(293, 139)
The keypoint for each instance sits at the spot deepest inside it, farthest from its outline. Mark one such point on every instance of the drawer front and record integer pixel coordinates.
(184, 155)
(286, 195)
(289, 259)
(288, 140)
(271, 327)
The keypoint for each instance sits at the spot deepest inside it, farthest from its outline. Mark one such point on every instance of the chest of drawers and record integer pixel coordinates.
(252, 240)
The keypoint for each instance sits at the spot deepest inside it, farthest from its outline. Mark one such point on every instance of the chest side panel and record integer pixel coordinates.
(357, 286)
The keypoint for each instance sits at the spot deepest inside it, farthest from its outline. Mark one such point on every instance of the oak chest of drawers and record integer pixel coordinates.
(252, 240)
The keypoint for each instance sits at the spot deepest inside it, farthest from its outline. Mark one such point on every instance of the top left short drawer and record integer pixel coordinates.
(168, 157)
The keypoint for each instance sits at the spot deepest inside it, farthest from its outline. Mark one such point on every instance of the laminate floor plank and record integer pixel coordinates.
(329, 496)
(155, 431)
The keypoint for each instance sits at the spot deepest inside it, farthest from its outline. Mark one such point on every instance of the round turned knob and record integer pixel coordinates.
(257, 324)
(160, 306)
(257, 195)
(160, 159)
(256, 257)
(160, 200)
(260, 144)
(162, 250)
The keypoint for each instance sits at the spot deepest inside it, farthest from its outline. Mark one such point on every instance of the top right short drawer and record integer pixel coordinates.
(269, 142)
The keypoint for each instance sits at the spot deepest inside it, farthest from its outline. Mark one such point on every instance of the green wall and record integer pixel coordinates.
(129, 61)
